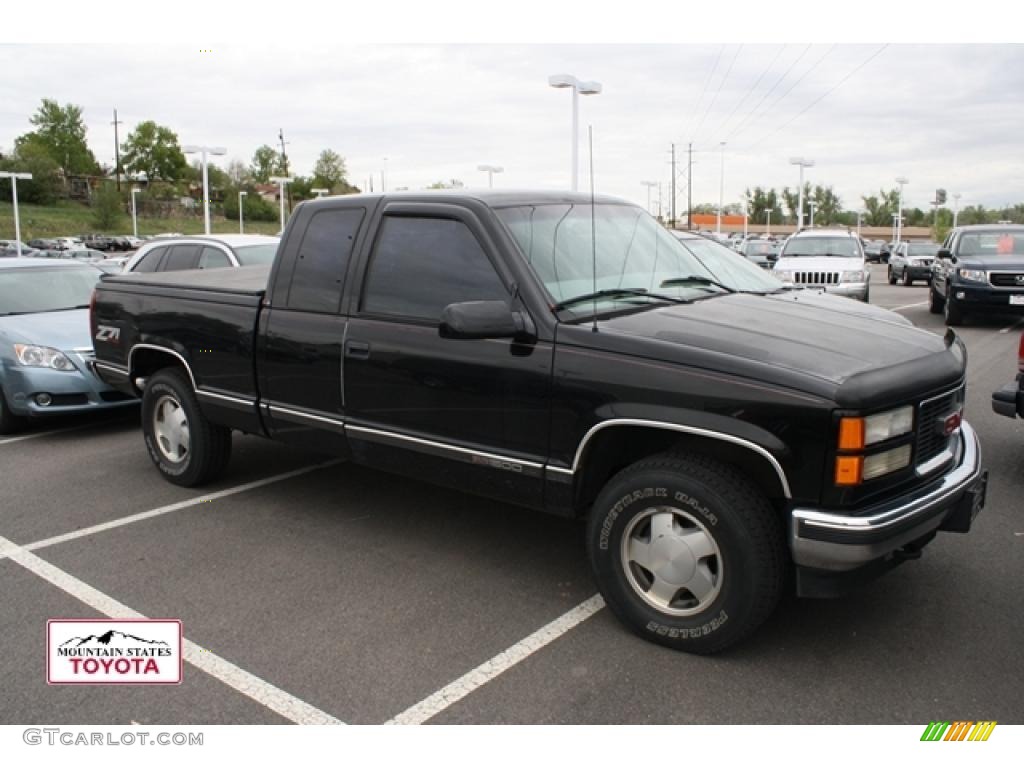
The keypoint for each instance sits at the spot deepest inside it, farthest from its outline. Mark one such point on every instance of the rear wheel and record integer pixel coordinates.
(686, 552)
(186, 448)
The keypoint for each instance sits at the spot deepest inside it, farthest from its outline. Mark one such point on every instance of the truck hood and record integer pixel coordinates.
(819, 264)
(852, 353)
(65, 330)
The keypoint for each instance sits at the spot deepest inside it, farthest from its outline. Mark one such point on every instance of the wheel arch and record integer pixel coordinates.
(145, 359)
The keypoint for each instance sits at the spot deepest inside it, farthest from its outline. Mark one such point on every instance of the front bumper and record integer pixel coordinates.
(919, 272)
(76, 391)
(828, 541)
(979, 297)
(1009, 401)
(850, 290)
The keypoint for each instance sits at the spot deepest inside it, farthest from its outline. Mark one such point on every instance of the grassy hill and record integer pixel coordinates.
(69, 219)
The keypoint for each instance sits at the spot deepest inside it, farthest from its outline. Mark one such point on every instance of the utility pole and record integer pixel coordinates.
(284, 155)
(689, 187)
(117, 153)
(672, 219)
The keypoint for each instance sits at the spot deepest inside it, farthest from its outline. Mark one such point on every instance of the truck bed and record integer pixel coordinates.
(241, 285)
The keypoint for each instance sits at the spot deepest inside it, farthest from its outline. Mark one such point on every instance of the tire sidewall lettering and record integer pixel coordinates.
(607, 526)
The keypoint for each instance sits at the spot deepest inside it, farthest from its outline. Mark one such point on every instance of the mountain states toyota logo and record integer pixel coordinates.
(113, 651)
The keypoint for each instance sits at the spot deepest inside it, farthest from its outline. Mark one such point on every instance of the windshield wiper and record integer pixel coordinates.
(614, 293)
(689, 279)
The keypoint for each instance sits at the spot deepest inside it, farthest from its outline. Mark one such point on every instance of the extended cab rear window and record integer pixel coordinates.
(318, 274)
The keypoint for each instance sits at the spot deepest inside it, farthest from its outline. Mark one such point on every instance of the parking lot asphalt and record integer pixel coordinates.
(368, 597)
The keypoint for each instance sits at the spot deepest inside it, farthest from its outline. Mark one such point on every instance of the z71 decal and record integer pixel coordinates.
(108, 333)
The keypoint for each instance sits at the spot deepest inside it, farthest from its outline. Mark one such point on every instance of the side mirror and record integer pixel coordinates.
(484, 320)
(944, 253)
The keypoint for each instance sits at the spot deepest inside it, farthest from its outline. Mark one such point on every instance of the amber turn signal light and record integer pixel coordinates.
(849, 470)
(851, 433)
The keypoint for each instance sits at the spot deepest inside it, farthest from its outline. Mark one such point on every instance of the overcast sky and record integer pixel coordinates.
(941, 115)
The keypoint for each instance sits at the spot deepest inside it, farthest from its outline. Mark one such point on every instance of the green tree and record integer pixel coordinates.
(256, 208)
(451, 184)
(266, 162)
(106, 207)
(791, 197)
(975, 214)
(330, 170)
(827, 205)
(153, 150)
(238, 172)
(880, 208)
(60, 132)
(32, 157)
(759, 201)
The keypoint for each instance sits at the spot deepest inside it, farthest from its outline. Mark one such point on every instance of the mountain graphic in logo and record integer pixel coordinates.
(109, 639)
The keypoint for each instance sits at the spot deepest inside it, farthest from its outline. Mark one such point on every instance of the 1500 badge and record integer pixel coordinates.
(108, 333)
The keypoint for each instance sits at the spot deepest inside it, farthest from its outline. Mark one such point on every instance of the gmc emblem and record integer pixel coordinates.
(1019, 279)
(947, 425)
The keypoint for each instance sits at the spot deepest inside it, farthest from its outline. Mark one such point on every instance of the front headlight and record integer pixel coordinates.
(977, 275)
(856, 432)
(42, 357)
(855, 276)
(915, 262)
(785, 275)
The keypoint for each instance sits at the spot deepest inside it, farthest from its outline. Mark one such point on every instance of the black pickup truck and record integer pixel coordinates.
(718, 431)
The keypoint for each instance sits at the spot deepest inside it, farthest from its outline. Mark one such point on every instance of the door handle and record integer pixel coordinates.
(357, 350)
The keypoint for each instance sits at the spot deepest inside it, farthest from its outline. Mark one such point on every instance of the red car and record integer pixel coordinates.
(1009, 401)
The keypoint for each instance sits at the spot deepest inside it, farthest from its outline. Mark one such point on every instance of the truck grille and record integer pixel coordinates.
(1007, 279)
(929, 440)
(816, 278)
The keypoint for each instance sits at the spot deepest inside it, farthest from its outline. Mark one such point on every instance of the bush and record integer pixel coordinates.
(106, 205)
(256, 208)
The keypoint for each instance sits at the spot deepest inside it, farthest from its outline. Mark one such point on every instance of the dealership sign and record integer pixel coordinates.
(113, 651)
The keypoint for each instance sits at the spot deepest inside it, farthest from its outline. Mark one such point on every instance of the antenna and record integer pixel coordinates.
(593, 221)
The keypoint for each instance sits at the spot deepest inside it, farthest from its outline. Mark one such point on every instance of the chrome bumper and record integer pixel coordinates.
(842, 542)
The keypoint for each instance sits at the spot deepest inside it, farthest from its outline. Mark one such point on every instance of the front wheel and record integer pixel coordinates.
(935, 302)
(892, 277)
(953, 315)
(907, 279)
(186, 448)
(686, 552)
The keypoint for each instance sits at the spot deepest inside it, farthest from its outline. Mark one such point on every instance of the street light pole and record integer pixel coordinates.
(721, 189)
(241, 211)
(956, 208)
(812, 205)
(901, 180)
(859, 214)
(135, 220)
(281, 181)
(191, 149)
(650, 185)
(14, 198)
(490, 170)
(768, 226)
(586, 88)
(803, 163)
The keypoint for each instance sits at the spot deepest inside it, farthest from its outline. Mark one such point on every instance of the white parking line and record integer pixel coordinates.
(469, 682)
(257, 689)
(1009, 328)
(171, 508)
(34, 435)
(907, 306)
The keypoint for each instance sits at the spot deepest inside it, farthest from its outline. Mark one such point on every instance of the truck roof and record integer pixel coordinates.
(494, 198)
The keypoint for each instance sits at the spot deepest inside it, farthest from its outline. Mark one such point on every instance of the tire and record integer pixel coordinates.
(952, 313)
(907, 279)
(9, 422)
(192, 456)
(892, 277)
(935, 302)
(737, 573)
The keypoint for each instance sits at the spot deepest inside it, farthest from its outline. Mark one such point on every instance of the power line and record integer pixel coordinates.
(749, 92)
(850, 74)
(705, 90)
(721, 84)
(769, 93)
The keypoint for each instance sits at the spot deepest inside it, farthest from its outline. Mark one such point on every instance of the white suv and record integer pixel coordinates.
(828, 259)
(169, 254)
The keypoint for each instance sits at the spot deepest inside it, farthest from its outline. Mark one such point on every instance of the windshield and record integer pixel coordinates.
(25, 291)
(759, 249)
(256, 254)
(729, 268)
(633, 251)
(991, 243)
(841, 247)
(922, 249)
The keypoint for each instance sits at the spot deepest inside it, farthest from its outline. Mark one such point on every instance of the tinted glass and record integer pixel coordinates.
(24, 291)
(256, 254)
(922, 249)
(150, 261)
(319, 272)
(181, 257)
(843, 247)
(213, 258)
(420, 266)
(729, 268)
(991, 243)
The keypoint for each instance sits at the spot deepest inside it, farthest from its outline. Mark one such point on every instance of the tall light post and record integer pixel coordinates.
(768, 224)
(319, 191)
(859, 214)
(490, 170)
(901, 180)
(746, 216)
(721, 189)
(895, 218)
(803, 163)
(135, 220)
(650, 185)
(241, 211)
(14, 197)
(192, 149)
(586, 88)
(812, 205)
(956, 208)
(281, 181)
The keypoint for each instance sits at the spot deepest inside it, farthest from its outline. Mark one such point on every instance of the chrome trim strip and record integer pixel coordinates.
(303, 415)
(163, 349)
(229, 398)
(109, 367)
(968, 469)
(83, 350)
(688, 430)
(933, 463)
(947, 393)
(561, 470)
(446, 447)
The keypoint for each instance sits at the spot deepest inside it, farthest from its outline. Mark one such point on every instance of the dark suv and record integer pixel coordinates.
(979, 269)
